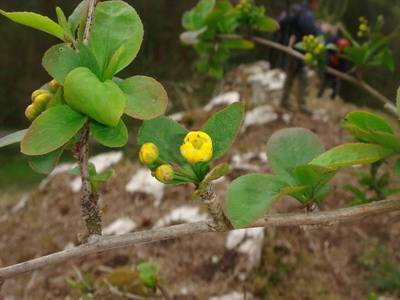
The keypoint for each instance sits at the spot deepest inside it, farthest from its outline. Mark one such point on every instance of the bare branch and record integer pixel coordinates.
(388, 105)
(323, 218)
(89, 202)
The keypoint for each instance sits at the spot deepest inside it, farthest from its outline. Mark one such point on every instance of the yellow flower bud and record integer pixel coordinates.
(37, 93)
(165, 173)
(31, 113)
(53, 86)
(197, 147)
(148, 153)
(309, 57)
(41, 101)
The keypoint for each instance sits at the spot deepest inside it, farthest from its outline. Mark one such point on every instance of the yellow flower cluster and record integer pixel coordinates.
(40, 100)
(197, 147)
(363, 27)
(313, 47)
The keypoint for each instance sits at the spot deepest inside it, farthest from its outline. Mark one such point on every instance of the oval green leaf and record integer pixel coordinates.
(112, 137)
(51, 130)
(292, 147)
(146, 98)
(223, 128)
(351, 154)
(115, 23)
(45, 164)
(35, 21)
(251, 196)
(367, 121)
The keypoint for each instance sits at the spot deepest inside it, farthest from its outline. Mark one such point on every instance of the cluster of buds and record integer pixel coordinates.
(244, 5)
(314, 48)
(363, 27)
(196, 148)
(40, 100)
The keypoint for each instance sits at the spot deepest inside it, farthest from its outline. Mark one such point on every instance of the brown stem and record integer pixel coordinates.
(221, 222)
(89, 199)
(322, 218)
(164, 292)
(89, 202)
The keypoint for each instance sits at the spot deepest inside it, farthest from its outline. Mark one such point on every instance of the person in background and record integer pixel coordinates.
(336, 62)
(295, 23)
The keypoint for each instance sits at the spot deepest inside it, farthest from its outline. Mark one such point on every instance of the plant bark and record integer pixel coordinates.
(90, 210)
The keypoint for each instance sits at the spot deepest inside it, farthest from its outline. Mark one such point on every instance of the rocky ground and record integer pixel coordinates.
(339, 262)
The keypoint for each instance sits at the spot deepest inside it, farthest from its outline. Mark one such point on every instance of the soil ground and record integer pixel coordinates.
(338, 262)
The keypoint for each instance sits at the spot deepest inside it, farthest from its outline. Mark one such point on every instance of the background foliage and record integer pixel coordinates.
(162, 56)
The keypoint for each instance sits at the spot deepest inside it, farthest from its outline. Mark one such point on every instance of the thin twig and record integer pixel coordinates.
(388, 105)
(89, 202)
(164, 292)
(322, 218)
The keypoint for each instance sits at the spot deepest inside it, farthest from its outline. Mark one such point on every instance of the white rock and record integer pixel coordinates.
(144, 182)
(272, 80)
(223, 99)
(248, 242)
(232, 296)
(261, 115)
(243, 161)
(120, 226)
(177, 116)
(182, 214)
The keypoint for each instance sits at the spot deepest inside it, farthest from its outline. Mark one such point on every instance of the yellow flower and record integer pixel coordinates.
(148, 153)
(309, 57)
(197, 147)
(165, 173)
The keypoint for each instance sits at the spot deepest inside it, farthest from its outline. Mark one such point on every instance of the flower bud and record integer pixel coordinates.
(53, 86)
(148, 153)
(37, 93)
(40, 102)
(197, 147)
(165, 173)
(31, 112)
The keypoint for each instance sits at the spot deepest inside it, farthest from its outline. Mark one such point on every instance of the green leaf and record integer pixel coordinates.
(146, 98)
(251, 196)
(223, 128)
(290, 148)
(35, 21)
(101, 101)
(238, 44)
(110, 136)
(115, 24)
(351, 154)
(148, 273)
(112, 67)
(367, 121)
(61, 59)
(216, 173)
(266, 24)
(45, 164)
(76, 16)
(167, 135)
(195, 18)
(12, 138)
(62, 20)
(51, 130)
(397, 168)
